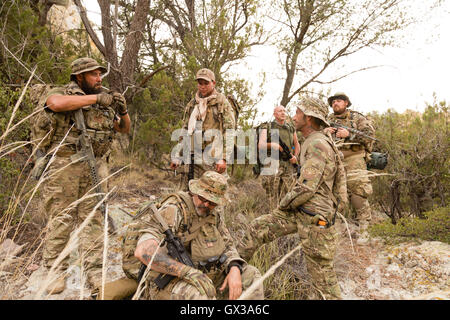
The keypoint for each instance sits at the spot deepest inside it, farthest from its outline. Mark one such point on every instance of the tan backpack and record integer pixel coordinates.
(43, 122)
(130, 264)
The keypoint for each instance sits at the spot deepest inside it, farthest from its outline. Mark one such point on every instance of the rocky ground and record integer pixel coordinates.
(368, 269)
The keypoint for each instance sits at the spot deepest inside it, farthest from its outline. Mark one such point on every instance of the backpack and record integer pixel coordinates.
(236, 108)
(257, 167)
(130, 264)
(43, 122)
(265, 125)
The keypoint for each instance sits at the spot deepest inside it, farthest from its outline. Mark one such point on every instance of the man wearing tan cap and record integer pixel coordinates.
(68, 181)
(310, 206)
(208, 113)
(195, 218)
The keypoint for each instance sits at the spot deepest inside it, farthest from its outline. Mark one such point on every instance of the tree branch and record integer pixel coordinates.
(89, 29)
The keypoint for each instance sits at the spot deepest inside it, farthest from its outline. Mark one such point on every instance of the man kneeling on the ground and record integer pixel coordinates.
(192, 216)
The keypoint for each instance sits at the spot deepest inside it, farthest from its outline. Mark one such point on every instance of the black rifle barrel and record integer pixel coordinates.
(360, 133)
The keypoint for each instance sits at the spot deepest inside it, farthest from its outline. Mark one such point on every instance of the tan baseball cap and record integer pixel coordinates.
(315, 108)
(211, 186)
(205, 74)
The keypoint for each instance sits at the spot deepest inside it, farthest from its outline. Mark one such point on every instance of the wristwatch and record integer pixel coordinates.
(234, 264)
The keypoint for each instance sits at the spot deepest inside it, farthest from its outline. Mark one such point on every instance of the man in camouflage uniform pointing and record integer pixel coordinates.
(195, 219)
(310, 206)
(355, 149)
(69, 181)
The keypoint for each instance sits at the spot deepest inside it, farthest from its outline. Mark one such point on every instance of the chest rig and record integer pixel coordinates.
(99, 123)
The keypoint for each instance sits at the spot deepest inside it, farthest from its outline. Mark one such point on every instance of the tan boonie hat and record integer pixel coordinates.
(315, 108)
(211, 186)
(205, 74)
(339, 95)
(84, 65)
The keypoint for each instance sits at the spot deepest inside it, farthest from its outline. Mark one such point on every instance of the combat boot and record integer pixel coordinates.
(57, 286)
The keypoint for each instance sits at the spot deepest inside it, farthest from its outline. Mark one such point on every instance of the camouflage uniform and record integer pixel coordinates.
(319, 189)
(277, 185)
(67, 185)
(356, 150)
(219, 116)
(204, 238)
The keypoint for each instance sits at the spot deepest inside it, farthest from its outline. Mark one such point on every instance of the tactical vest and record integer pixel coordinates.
(199, 235)
(53, 126)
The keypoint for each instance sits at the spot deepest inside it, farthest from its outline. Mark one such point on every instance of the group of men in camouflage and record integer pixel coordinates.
(306, 203)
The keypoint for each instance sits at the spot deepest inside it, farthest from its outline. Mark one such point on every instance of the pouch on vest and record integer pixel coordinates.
(208, 244)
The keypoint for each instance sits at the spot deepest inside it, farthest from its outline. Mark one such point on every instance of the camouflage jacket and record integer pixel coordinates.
(219, 116)
(317, 188)
(204, 237)
(358, 121)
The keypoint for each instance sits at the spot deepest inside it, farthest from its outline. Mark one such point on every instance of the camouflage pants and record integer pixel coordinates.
(278, 184)
(61, 192)
(359, 188)
(181, 290)
(318, 245)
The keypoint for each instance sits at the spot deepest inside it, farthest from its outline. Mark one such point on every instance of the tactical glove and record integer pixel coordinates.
(104, 99)
(199, 280)
(120, 103)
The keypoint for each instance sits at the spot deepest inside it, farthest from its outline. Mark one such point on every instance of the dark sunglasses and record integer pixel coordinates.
(206, 200)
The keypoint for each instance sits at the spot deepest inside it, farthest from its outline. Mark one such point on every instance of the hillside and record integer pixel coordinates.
(367, 269)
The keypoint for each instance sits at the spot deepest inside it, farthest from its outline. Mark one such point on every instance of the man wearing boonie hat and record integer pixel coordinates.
(219, 270)
(310, 206)
(104, 114)
(209, 111)
(356, 150)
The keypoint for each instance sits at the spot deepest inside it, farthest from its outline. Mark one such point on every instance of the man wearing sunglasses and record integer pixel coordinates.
(219, 271)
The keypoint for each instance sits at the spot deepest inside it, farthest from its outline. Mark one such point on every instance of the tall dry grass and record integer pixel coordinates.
(17, 216)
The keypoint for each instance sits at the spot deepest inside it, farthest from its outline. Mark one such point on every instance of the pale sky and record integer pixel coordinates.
(409, 76)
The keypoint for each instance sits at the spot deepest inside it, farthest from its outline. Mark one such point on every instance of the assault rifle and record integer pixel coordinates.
(286, 155)
(174, 247)
(357, 132)
(88, 153)
(378, 160)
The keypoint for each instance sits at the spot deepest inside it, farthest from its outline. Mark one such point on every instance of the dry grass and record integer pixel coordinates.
(13, 222)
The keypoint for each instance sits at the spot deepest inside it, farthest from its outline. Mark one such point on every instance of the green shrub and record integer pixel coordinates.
(435, 226)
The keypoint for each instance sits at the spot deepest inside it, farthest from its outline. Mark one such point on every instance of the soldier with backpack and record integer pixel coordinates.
(70, 176)
(277, 184)
(207, 117)
(310, 206)
(213, 261)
